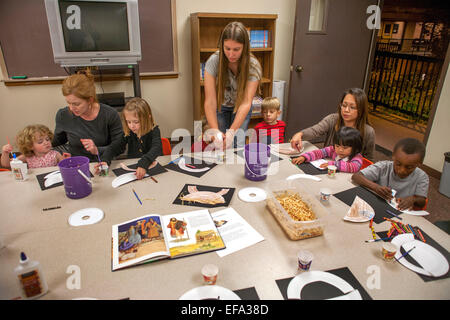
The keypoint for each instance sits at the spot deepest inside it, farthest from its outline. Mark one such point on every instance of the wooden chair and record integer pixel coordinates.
(167, 149)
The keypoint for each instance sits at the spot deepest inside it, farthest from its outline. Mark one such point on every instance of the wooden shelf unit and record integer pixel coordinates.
(205, 32)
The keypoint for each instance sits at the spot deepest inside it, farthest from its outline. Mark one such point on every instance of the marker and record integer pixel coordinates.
(19, 77)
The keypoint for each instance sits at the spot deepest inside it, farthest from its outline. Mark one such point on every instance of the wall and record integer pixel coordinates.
(438, 141)
(170, 99)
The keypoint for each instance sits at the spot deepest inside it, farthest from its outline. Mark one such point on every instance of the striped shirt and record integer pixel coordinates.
(270, 133)
(343, 165)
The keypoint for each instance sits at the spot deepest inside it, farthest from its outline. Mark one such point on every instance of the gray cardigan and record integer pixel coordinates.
(326, 127)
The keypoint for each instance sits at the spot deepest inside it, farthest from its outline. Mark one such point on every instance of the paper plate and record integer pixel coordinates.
(365, 214)
(210, 293)
(432, 262)
(52, 178)
(252, 194)
(296, 285)
(303, 176)
(182, 165)
(124, 178)
(393, 204)
(85, 217)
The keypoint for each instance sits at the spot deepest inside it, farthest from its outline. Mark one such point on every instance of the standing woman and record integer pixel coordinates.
(87, 125)
(352, 112)
(232, 76)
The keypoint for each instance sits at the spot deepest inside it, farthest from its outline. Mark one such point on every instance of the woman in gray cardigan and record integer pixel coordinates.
(352, 112)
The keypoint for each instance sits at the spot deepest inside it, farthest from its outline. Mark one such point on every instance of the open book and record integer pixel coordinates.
(154, 237)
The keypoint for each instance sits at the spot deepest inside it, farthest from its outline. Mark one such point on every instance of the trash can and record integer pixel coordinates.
(444, 186)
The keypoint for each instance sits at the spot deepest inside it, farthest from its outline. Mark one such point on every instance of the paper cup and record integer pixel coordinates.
(104, 170)
(209, 272)
(325, 194)
(388, 251)
(304, 258)
(332, 171)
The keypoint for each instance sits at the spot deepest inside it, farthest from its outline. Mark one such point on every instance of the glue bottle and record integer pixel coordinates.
(30, 277)
(19, 169)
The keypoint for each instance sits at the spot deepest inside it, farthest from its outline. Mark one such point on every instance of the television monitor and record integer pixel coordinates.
(94, 32)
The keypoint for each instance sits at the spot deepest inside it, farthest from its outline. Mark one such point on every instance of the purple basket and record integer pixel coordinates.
(257, 161)
(75, 184)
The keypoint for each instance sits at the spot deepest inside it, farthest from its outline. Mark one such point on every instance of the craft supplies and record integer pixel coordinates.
(405, 254)
(304, 258)
(19, 169)
(137, 197)
(209, 273)
(421, 236)
(393, 214)
(252, 194)
(30, 277)
(76, 185)
(154, 179)
(51, 208)
(374, 235)
(388, 251)
(380, 239)
(85, 217)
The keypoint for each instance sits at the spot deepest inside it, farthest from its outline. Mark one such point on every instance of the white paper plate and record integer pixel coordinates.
(252, 194)
(52, 178)
(394, 205)
(182, 165)
(432, 262)
(303, 176)
(124, 178)
(210, 292)
(296, 285)
(85, 217)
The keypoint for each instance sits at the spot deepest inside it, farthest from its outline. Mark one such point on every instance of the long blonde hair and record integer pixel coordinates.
(142, 111)
(235, 31)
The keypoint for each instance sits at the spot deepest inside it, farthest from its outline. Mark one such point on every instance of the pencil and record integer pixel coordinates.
(406, 253)
(393, 214)
(380, 239)
(137, 197)
(154, 179)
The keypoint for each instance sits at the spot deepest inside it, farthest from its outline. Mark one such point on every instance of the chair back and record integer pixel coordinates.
(167, 149)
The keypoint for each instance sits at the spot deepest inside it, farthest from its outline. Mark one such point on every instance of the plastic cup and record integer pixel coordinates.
(332, 171)
(305, 259)
(210, 272)
(388, 251)
(104, 170)
(325, 194)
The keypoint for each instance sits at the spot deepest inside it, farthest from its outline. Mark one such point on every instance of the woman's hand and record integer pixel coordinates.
(296, 141)
(140, 173)
(89, 145)
(97, 167)
(298, 160)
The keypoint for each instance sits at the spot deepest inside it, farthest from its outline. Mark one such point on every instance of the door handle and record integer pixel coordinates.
(298, 68)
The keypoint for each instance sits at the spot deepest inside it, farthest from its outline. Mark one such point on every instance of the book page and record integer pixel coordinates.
(137, 241)
(235, 231)
(191, 233)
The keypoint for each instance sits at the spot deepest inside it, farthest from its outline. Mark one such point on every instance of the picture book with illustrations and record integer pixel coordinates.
(154, 237)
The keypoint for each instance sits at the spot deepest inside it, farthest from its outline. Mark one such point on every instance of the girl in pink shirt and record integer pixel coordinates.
(35, 144)
(345, 153)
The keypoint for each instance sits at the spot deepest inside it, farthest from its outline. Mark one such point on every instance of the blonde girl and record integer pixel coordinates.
(35, 144)
(140, 134)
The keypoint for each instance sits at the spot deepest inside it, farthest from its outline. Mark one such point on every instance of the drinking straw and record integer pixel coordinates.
(137, 197)
(393, 214)
(406, 253)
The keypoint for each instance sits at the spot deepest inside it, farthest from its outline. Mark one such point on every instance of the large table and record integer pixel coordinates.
(47, 237)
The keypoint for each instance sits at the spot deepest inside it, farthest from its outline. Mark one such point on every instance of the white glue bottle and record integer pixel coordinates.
(30, 277)
(19, 169)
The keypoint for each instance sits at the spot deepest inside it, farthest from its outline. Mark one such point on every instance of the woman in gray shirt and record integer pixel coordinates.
(232, 78)
(87, 125)
(352, 112)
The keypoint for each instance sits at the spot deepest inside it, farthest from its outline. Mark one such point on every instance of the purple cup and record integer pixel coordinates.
(75, 184)
(257, 160)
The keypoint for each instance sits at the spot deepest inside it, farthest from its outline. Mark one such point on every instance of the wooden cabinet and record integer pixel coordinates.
(205, 32)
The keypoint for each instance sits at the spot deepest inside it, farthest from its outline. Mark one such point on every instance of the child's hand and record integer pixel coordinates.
(140, 173)
(7, 148)
(298, 160)
(384, 192)
(324, 165)
(89, 145)
(405, 203)
(66, 155)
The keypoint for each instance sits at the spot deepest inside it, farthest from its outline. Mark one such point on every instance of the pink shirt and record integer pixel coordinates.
(351, 165)
(48, 160)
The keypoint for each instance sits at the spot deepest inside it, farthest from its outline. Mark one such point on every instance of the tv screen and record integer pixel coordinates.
(93, 26)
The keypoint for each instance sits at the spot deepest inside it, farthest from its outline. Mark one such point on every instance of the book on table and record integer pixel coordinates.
(154, 237)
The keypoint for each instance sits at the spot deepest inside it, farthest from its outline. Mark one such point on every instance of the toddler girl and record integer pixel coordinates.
(35, 144)
(345, 153)
(140, 134)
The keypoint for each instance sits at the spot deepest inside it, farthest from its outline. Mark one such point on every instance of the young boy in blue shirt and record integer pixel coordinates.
(402, 174)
